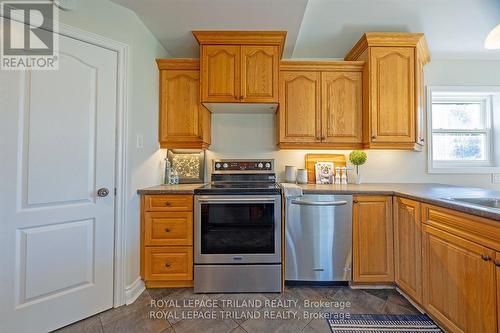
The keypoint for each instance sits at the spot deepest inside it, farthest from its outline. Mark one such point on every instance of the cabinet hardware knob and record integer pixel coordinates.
(102, 192)
(422, 139)
(167, 230)
(167, 264)
(355, 201)
(323, 138)
(167, 203)
(497, 263)
(374, 137)
(317, 137)
(485, 257)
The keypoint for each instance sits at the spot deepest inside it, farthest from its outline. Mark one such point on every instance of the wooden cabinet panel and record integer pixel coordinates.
(169, 263)
(373, 239)
(180, 109)
(220, 66)
(497, 265)
(175, 228)
(408, 247)
(341, 104)
(184, 121)
(259, 73)
(168, 203)
(392, 94)
(299, 111)
(458, 282)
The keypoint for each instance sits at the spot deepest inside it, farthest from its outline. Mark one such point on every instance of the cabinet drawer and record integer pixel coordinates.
(169, 263)
(168, 203)
(474, 228)
(175, 228)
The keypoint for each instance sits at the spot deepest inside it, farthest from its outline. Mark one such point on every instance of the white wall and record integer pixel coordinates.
(253, 136)
(118, 23)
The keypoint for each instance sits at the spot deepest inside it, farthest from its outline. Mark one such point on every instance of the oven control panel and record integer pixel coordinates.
(243, 165)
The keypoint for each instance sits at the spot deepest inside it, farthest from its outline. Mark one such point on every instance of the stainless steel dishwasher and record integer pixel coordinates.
(318, 234)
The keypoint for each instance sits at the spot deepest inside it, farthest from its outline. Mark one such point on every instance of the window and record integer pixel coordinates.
(461, 130)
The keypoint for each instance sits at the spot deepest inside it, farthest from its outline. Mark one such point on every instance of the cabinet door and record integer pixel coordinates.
(497, 264)
(408, 247)
(392, 94)
(259, 73)
(181, 113)
(220, 66)
(458, 282)
(299, 112)
(341, 105)
(373, 239)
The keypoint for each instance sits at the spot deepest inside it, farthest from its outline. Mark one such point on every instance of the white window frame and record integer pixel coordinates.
(464, 94)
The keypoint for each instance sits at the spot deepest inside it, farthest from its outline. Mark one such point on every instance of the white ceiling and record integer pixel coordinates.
(455, 29)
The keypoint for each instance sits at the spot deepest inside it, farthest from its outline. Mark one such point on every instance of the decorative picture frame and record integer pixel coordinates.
(189, 163)
(324, 172)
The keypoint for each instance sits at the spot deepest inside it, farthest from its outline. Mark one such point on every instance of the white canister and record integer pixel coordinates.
(302, 176)
(290, 174)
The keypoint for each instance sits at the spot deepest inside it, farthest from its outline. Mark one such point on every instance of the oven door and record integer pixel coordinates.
(237, 229)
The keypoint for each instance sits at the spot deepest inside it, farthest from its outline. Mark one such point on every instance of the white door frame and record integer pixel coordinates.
(121, 167)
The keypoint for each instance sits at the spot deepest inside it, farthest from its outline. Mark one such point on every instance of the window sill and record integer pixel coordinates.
(463, 170)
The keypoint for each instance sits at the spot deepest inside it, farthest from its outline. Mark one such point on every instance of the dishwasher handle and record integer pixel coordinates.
(319, 203)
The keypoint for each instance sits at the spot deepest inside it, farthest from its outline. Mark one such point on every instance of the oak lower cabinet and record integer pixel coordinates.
(167, 240)
(459, 288)
(497, 265)
(408, 247)
(393, 88)
(240, 66)
(320, 105)
(184, 121)
(373, 260)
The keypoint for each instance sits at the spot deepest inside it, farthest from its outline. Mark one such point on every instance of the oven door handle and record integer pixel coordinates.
(319, 203)
(238, 200)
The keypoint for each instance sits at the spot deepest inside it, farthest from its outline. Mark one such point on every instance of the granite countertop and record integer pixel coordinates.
(170, 189)
(434, 194)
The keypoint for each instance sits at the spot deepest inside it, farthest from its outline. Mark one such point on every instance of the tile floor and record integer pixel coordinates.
(298, 309)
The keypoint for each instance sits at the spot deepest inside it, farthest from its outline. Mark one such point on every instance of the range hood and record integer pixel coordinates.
(241, 107)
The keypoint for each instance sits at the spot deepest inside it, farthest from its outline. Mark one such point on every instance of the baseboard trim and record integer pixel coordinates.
(371, 286)
(409, 299)
(134, 290)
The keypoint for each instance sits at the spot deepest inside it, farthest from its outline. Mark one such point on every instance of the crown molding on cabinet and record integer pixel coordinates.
(325, 66)
(178, 64)
(241, 37)
(412, 39)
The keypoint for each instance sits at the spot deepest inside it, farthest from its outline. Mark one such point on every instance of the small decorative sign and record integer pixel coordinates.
(324, 172)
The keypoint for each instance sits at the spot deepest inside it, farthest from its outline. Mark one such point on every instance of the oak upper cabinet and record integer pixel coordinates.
(240, 66)
(408, 247)
(221, 73)
(259, 73)
(184, 121)
(372, 230)
(320, 105)
(393, 84)
(299, 114)
(341, 107)
(459, 288)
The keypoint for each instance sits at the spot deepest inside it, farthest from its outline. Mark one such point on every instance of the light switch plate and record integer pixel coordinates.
(495, 178)
(140, 141)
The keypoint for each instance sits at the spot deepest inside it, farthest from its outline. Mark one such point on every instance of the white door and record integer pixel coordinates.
(57, 145)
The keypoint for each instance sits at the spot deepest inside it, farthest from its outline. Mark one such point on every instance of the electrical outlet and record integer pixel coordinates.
(495, 178)
(140, 142)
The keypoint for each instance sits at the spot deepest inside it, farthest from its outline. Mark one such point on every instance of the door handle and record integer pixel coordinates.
(102, 192)
(497, 263)
(319, 203)
(485, 257)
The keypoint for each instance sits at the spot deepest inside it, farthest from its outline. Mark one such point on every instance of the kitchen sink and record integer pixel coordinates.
(485, 202)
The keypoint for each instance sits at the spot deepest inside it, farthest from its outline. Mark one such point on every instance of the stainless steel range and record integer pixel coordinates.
(238, 229)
